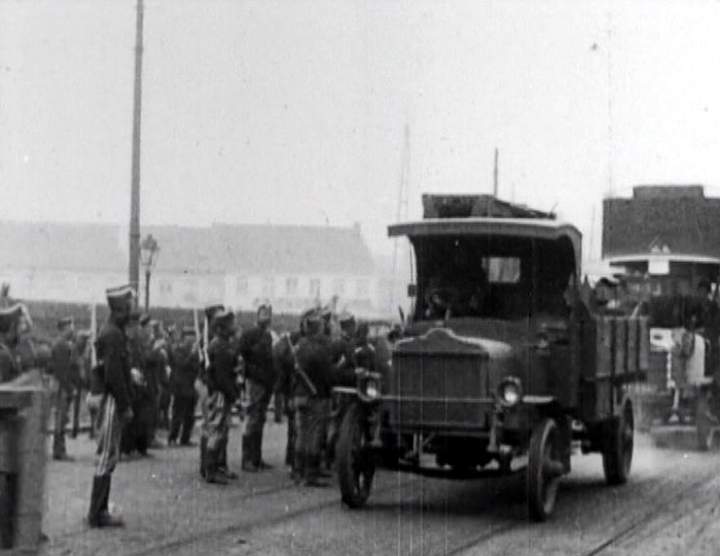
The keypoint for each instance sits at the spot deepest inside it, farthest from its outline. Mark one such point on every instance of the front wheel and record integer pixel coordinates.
(356, 468)
(544, 469)
(618, 451)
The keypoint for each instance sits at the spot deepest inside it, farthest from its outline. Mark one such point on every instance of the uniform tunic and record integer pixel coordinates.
(63, 367)
(260, 374)
(221, 392)
(311, 408)
(112, 350)
(182, 387)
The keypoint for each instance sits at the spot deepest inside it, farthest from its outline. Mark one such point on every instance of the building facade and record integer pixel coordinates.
(242, 266)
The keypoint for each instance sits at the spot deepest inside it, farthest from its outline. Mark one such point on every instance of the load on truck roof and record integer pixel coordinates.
(468, 206)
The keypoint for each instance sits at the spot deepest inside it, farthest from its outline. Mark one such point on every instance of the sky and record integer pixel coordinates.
(294, 111)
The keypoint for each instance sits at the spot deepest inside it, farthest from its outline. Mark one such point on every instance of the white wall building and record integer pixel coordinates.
(241, 266)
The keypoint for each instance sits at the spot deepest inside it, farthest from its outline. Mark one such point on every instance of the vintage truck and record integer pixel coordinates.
(501, 365)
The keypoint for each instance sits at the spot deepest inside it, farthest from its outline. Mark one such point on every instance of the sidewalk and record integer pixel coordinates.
(161, 497)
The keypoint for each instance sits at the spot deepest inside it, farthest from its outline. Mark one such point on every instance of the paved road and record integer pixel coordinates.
(669, 507)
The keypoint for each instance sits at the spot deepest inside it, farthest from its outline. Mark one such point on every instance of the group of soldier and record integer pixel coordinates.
(143, 377)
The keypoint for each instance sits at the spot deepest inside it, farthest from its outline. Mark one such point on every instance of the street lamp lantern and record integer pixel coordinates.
(149, 250)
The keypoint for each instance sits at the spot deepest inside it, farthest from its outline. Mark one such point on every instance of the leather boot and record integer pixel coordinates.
(259, 463)
(297, 473)
(99, 515)
(312, 473)
(203, 456)
(96, 502)
(212, 473)
(248, 453)
(222, 462)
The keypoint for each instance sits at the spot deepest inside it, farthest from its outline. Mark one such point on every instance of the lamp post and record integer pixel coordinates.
(148, 256)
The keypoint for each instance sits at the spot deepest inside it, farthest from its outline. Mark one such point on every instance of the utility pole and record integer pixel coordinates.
(402, 208)
(134, 263)
(495, 174)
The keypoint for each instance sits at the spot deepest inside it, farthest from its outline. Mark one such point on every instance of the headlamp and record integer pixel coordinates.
(510, 391)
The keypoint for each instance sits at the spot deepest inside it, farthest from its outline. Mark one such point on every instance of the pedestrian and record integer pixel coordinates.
(186, 358)
(222, 394)
(311, 395)
(112, 350)
(260, 377)
(64, 367)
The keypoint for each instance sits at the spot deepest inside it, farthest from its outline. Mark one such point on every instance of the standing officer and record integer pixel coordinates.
(222, 394)
(64, 367)
(260, 376)
(311, 395)
(186, 356)
(115, 410)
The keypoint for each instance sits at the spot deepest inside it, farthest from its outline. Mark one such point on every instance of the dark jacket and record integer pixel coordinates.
(256, 350)
(9, 368)
(343, 360)
(112, 349)
(221, 373)
(185, 370)
(63, 364)
(314, 358)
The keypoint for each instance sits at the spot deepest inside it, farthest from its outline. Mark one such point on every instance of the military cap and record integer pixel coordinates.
(223, 318)
(346, 317)
(10, 315)
(64, 322)
(211, 310)
(119, 297)
(264, 307)
(144, 319)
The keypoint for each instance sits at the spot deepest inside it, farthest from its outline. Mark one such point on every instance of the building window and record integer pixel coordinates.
(268, 287)
(339, 286)
(241, 285)
(362, 288)
(291, 286)
(314, 290)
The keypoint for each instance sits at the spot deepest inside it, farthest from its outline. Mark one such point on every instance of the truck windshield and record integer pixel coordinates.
(504, 278)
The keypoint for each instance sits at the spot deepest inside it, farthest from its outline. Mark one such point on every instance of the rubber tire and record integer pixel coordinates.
(618, 451)
(541, 503)
(352, 438)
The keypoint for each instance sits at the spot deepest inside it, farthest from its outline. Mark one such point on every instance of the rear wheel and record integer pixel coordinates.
(618, 450)
(544, 469)
(356, 467)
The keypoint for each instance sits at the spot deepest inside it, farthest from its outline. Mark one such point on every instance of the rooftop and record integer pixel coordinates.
(248, 248)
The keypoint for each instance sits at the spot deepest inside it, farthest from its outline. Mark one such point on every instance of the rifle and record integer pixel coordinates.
(299, 372)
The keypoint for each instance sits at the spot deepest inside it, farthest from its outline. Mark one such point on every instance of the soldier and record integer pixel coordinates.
(222, 394)
(112, 349)
(9, 319)
(344, 363)
(64, 367)
(135, 435)
(210, 312)
(186, 356)
(311, 394)
(158, 363)
(260, 376)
